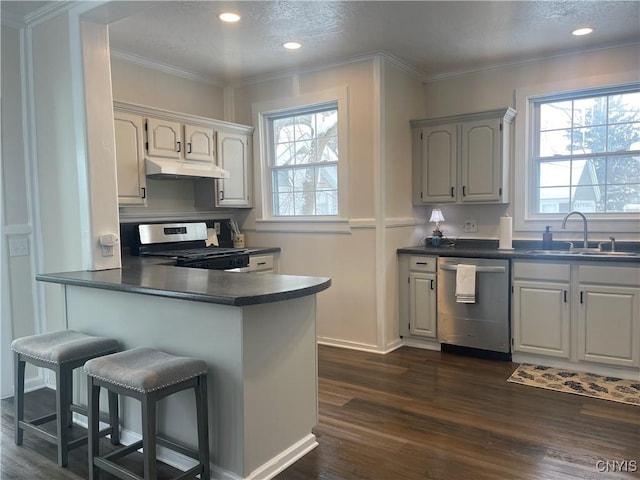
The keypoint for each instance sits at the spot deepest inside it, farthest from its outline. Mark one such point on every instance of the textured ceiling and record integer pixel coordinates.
(435, 37)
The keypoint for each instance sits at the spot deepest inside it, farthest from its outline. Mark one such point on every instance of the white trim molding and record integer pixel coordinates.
(524, 221)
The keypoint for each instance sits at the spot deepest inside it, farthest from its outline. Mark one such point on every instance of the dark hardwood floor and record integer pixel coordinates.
(416, 414)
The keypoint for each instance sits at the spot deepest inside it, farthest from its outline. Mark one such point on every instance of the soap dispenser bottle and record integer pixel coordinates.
(547, 239)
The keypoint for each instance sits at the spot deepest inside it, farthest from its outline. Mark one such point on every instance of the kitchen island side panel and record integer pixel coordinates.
(280, 374)
(262, 360)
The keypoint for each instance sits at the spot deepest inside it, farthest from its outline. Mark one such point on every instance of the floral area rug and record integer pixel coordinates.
(588, 384)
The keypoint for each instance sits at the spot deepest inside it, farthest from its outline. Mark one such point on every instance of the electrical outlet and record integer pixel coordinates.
(470, 226)
(18, 247)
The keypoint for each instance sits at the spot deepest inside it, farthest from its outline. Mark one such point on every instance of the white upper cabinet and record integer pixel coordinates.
(164, 138)
(462, 158)
(180, 141)
(199, 143)
(234, 154)
(132, 182)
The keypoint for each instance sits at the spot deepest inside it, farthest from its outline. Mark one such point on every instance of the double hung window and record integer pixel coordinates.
(303, 161)
(586, 152)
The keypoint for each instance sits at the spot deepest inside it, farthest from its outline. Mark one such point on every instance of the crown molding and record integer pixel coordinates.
(164, 68)
(49, 11)
(354, 59)
(485, 68)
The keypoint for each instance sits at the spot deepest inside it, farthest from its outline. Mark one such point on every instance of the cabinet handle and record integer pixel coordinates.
(464, 191)
(221, 195)
(144, 192)
(565, 296)
(179, 148)
(421, 263)
(262, 263)
(581, 297)
(431, 284)
(452, 190)
(189, 147)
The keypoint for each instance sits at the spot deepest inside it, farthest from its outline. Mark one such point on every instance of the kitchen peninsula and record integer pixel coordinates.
(257, 333)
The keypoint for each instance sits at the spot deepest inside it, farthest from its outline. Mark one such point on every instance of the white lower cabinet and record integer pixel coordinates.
(580, 312)
(541, 314)
(541, 318)
(609, 315)
(422, 304)
(418, 286)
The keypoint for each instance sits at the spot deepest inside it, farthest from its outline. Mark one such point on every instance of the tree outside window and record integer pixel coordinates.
(587, 153)
(304, 163)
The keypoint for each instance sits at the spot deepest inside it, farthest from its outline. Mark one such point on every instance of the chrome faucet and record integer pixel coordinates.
(584, 221)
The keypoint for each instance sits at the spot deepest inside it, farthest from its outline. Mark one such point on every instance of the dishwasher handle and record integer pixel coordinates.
(454, 268)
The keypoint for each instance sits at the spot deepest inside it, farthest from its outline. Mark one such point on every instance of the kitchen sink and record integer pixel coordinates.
(550, 252)
(586, 252)
(611, 254)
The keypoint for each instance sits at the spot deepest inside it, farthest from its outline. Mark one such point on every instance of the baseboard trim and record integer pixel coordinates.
(265, 471)
(333, 342)
(420, 343)
(283, 460)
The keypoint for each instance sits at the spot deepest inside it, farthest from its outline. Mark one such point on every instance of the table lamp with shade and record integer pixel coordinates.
(436, 217)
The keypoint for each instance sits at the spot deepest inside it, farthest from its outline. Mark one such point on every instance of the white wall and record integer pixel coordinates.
(496, 88)
(17, 310)
(359, 310)
(399, 106)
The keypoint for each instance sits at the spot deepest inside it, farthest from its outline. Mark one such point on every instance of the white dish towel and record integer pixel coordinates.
(466, 284)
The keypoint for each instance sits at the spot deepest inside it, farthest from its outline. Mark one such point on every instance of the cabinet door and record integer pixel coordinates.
(481, 161)
(439, 163)
(163, 138)
(609, 325)
(541, 318)
(199, 143)
(233, 156)
(132, 185)
(422, 304)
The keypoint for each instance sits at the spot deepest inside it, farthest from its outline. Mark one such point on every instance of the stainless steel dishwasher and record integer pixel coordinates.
(481, 325)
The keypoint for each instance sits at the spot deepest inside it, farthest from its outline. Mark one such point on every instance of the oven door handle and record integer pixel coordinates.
(454, 268)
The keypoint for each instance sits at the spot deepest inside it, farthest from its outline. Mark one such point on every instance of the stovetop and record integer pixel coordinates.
(197, 253)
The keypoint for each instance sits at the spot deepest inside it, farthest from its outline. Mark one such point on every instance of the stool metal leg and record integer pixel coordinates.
(114, 417)
(63, 412)
(203, 426)
(93, 419)
(149, 404)
(19, 366)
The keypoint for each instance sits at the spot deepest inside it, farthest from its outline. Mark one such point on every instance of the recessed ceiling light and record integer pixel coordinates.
(583, 31)
(292, 45)
(229, 17)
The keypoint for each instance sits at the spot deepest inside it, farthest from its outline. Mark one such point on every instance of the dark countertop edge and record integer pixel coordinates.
(235, 301)
(263, 250)
(469, 252)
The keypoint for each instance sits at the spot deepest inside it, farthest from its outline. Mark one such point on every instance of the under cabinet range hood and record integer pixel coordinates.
(168, 168)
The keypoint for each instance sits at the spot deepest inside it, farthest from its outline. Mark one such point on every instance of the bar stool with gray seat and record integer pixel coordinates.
(147, 375)
(61, 351)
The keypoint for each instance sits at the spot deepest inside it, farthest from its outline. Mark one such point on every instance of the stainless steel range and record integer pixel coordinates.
(186, 242)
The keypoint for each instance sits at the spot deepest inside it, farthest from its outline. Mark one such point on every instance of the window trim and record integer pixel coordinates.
(525, 220)
(262, 112)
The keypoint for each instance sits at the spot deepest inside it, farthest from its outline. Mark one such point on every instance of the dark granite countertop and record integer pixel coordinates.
(149, 277)
(522, 248)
